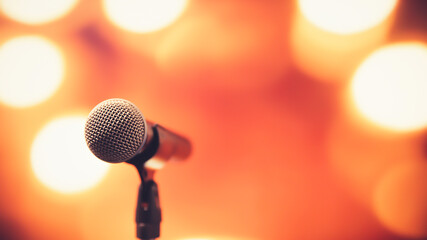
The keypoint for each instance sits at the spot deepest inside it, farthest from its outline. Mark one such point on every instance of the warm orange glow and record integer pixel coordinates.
(197, 239)
(360, 156)
(36, 11)
(280, 147)
(401, 197)
(61, 160)
(143, 16)
(31, 70)
(212, 238)
(346, 17)
(389, 87)
(219, 49)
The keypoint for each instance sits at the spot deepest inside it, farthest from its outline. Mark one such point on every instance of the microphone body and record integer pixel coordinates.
(116, 131)
(161, 146)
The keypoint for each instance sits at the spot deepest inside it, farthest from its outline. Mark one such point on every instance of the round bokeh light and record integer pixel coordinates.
(36, 11)
(346, 17)
(400, 199)
(31, 70)
(61, 160)
(142, 16)
(389, 87)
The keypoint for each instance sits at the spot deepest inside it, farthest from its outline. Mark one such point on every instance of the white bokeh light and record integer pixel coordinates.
(61, 160)
(31, 70)
(142, 16)
(36, 11)
(346, 16)
(389, 88)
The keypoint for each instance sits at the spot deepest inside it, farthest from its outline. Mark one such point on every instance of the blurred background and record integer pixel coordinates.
(308, 118)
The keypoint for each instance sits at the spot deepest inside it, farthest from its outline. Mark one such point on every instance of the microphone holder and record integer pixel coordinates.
(148, 212)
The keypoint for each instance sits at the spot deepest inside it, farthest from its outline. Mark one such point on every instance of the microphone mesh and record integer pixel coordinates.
(115, 130)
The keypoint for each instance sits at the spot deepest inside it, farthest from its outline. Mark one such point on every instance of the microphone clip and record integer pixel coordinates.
(148, 212)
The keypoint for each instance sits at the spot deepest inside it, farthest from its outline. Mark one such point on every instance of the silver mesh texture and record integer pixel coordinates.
(115, 130)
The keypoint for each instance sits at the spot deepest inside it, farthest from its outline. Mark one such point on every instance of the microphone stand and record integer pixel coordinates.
(160, 147)
(148, 212)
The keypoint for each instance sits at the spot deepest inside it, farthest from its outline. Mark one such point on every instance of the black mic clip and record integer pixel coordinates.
(148, 212)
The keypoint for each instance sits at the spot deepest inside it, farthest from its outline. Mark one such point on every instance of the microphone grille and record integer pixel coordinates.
(115, 130)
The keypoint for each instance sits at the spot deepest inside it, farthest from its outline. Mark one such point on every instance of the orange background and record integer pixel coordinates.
(276, 155)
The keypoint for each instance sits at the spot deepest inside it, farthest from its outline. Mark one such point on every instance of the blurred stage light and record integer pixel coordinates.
(36, 11)
(31, 70)
(360, 155)
(212, 238)
(318, 52)
(401, 197)
(142, 16)
(389, 88)
(346, 17)
(61, 160)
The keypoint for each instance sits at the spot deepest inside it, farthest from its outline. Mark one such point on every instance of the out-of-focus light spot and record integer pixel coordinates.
(361, 154)
(142, 16)
(154, 164)
(31, 70)
(36, 11)
(61, 160)
(212, 238)
(318, 53)
(401, 197)
(346, 17)
(389, 88)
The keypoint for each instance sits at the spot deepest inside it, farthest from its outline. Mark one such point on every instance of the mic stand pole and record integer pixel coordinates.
(148, 212)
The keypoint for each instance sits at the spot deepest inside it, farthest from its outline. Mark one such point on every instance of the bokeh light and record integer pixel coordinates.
(389, 87)
(31, 70)
(142, 16)
(401, 197)
(212, 238)
(61, 160)
(361, 154)
(318, 53)
(346, 17)
(36, 11)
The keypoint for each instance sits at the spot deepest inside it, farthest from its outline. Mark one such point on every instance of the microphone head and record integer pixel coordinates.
(115, 130)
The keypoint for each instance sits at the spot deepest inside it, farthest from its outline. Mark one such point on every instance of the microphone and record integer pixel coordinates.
(116, 131)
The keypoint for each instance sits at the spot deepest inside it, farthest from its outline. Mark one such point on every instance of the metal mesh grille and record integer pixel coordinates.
(115, 130)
